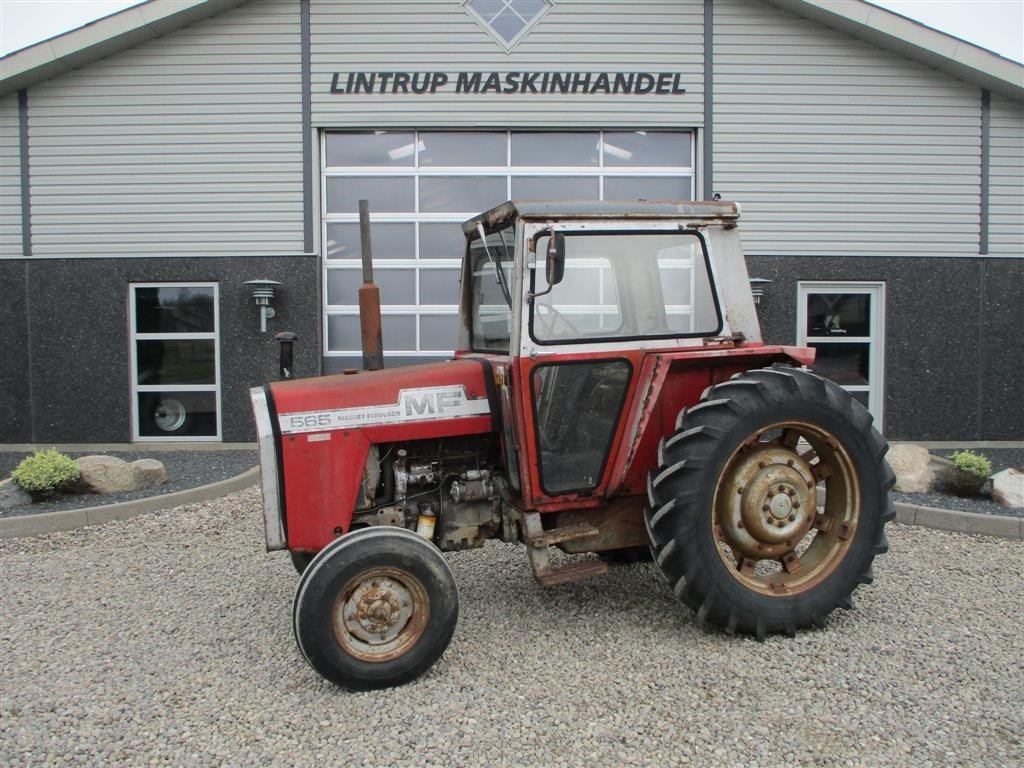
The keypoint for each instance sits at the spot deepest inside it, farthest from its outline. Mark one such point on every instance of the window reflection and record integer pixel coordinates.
(176, 309)
(838, 314)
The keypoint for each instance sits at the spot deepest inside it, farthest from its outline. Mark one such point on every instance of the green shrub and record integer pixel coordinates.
(968, 473)
(45, 472)
(972, 463)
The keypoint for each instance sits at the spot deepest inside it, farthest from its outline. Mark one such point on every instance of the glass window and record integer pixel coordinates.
(174, 309)
(646, 188)
(843, 363)
(508, 18)
(647, 148)
(839, 314)
(417, 215)
(397, 286)
(383, 148)
(461, 194)
(386, 194)
(438, 331)
(624, 285)
(442, 241)
(398, 332)
(551, 149)
(463, 148)
(844, 321)
(175, 414)
(574, 441)
(492, 303)
(390, 241)
(554, 188)
(439, 286)
(175, 361)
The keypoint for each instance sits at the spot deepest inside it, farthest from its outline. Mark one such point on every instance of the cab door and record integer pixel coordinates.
(619, 291)
(573, 399)
(573, 410)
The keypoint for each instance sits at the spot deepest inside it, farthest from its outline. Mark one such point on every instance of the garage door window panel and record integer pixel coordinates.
(421, 186)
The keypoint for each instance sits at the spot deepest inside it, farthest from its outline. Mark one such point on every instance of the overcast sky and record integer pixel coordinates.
(994, 24)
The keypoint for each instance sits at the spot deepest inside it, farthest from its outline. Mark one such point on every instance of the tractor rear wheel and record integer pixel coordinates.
(375, 608)
(770, 501)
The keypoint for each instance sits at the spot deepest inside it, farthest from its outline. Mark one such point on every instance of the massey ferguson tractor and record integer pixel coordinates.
(610, 391)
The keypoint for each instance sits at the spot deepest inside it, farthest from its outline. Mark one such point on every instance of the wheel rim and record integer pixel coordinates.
(772, 533)
(380, 614)
(170, 415)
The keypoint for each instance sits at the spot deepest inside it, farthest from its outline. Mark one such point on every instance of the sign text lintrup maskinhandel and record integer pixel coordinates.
(583, 83)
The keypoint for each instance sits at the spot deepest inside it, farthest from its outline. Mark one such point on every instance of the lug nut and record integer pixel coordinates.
(792, 518)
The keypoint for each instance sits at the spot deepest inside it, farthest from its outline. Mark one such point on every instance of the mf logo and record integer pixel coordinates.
(420, 403)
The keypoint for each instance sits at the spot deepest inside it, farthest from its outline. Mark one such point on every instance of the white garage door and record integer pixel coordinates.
(422, 185)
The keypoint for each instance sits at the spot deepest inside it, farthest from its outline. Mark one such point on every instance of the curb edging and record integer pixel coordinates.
(1004, 527)
(1001, 526)
(70, 519)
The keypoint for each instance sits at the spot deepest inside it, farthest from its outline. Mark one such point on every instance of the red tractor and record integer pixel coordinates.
(610, 393)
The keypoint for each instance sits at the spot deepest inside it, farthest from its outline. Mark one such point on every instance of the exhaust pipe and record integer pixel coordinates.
(369, 299)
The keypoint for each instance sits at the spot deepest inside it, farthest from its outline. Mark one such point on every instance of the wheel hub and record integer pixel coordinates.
(377, 610)
(770, 504)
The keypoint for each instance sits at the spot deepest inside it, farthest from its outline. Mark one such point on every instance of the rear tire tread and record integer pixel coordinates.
(677, 491)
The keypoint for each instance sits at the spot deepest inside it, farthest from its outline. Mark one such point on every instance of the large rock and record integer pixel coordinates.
(104, 474)
(13, 495)
(913, 468)
(149, 472)
(1008, 488)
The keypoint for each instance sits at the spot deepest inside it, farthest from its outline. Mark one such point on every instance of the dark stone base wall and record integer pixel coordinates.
(954, 349)
(954, 346)
(64, 356)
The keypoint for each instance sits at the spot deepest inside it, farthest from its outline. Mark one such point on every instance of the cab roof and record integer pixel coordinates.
(560, 210)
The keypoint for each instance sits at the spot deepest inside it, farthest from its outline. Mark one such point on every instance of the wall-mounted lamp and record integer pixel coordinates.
(757, 286)
(263, 294)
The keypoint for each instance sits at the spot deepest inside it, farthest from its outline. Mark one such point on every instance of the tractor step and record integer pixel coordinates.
(558, 535)
(552, 576)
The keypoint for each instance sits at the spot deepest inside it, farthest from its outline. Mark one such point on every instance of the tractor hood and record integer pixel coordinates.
(369, 400)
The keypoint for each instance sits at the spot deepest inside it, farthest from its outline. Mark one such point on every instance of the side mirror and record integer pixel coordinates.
(555, 265)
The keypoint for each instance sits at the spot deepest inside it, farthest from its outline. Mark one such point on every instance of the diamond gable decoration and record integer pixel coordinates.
(507, 21)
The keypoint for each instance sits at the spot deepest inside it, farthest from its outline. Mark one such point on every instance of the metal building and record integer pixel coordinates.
(155, 161)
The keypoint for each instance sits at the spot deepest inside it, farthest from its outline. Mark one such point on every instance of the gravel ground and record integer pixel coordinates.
(1001, 459)
(185, 469)
(166, 640)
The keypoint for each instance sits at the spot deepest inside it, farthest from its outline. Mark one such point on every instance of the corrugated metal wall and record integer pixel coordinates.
(1006, 179)
(836, 147)
(10, 179)
(187, 145)
(439, 35)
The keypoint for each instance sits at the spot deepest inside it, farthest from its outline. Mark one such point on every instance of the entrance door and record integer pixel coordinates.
(845, 322)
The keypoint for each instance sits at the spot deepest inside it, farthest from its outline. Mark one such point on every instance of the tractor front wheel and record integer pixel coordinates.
(770, 502)
(376, 608)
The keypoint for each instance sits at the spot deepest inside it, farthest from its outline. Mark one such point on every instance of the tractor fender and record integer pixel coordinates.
(670, 381)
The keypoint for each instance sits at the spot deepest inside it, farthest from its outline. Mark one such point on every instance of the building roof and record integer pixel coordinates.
(155, 18)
